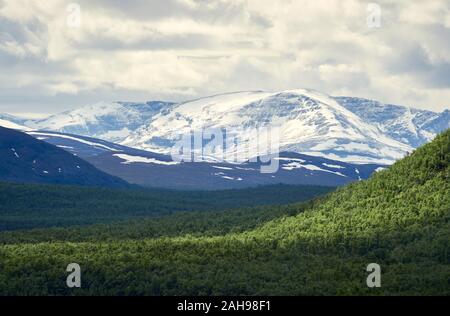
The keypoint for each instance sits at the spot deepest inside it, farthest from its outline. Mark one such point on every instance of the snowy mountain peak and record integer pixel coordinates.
(408, 125)
(112, 121)
(12, 125)
(13, 122)
(310, 122)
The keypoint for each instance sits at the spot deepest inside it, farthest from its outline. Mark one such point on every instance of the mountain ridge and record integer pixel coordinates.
(418, 124)
(381, 133)
(307, 119)
(151, 169)
(27, 159)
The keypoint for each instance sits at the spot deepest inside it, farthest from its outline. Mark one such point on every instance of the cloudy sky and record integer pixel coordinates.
(56, 54)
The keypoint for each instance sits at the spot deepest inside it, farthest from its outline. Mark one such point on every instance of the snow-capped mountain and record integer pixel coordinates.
(110, 121)
(12, 125)
(10, 121)
(404, 124)
(309, 122)
(157, 170)
(340, 128)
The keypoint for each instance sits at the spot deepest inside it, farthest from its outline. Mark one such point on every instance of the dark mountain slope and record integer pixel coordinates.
(150, 169)
(26, 159)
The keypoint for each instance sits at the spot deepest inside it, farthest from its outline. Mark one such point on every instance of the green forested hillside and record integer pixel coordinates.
(27, 206)
(211, 223)
(399, 219)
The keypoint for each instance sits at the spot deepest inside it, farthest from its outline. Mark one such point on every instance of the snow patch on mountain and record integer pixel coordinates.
(297, 165)
(12, 125)
(222, 168)
(15, 153)
(133, 159)
(333, 166)
(74, 138)
(232, 178)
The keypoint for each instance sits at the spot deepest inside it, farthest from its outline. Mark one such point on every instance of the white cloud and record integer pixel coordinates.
(177, 49)
(425, 12)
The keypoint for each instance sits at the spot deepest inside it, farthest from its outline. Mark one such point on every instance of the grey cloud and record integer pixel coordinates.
(213, 12)
(156, 41)
(415, 62)
(260, 21)
(409, 60)
(438, 76)
(33, 100)
(22, 35)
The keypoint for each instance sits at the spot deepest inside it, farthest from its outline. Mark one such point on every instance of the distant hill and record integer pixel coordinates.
(26, 159)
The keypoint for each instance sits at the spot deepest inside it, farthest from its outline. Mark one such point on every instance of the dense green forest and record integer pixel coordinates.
(212, 223)
(399, 218)
(27, 206)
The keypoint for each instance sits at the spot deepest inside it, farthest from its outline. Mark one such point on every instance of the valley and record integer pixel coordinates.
(398, 218)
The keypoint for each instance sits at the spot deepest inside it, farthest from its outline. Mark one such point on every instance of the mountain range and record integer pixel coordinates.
(133, 140)
(109, 121)
(151, 169)
(341, 128)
